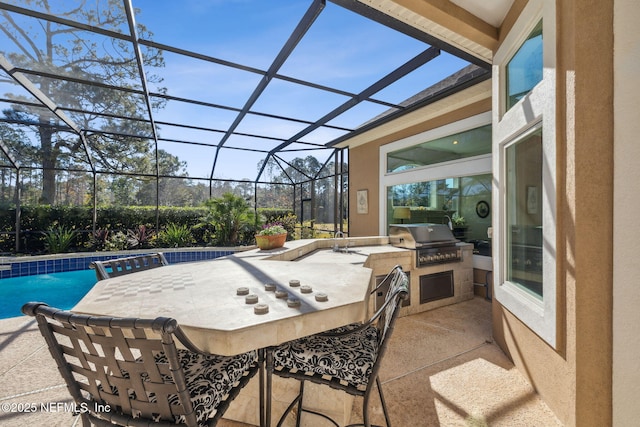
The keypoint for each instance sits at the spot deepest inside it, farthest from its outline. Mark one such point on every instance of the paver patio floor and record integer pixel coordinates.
(441, 369)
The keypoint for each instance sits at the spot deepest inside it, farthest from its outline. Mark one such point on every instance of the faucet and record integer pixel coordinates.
(449, 223)
(336, 248)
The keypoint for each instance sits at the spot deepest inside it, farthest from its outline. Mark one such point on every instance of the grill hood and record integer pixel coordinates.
(413, 236)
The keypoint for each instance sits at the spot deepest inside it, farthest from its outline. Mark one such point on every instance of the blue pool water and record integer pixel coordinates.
(60, 290)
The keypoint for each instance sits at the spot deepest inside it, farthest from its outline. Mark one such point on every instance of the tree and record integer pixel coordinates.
(10, 138)
(122, 191)
(171, 190)
(302, 171)
(295, 171)
(78, 54)
(230, 215)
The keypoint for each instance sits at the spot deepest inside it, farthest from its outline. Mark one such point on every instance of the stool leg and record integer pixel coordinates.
(269, 364)
(299, 414)
(261, 385)
(294, 402)
(382, 401)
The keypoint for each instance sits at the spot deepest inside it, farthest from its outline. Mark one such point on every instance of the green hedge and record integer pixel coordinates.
(270, 215)
(36, 219)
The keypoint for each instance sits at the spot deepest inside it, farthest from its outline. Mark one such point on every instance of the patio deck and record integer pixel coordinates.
(442, 369)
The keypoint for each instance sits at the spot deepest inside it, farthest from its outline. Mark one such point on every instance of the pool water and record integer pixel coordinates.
(60, 290)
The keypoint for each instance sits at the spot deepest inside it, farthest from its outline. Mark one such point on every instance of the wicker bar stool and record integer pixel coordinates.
(121, 266)
(129, 372)
(346, 358)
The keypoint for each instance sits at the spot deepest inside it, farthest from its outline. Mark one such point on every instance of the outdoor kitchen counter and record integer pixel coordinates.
(359, 251)
(363, 256)
(376, 253)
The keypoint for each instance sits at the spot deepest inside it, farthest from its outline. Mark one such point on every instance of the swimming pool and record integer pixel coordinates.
(47, 264)
(62, 280)
(60, 290)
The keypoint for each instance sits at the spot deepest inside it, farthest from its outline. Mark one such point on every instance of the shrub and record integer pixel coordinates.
(116, 242)
(288, 221)
(98, 240)
(7, 242)
(140, 237)
(274, 214)
(231, 218)
(174, 236)
(58, 239)
(307, 231)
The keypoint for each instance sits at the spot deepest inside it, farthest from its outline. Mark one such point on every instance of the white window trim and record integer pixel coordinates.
(465, 167)
(535, 109)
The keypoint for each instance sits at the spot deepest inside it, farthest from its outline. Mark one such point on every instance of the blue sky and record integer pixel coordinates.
(342, 50)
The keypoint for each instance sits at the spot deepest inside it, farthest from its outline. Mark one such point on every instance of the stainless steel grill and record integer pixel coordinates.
(433, 243)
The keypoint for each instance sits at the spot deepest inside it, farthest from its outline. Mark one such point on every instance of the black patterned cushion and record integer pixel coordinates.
(348, 358)
(210, 378)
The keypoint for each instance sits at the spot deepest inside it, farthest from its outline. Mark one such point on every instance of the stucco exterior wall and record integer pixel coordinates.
(363, 175)
(364, 161)
(592, 376)
(626, 233)
(575, 378)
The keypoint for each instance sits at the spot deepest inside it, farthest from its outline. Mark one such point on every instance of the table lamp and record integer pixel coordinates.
(401, 213)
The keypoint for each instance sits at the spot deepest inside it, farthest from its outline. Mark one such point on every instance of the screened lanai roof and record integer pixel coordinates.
(225, 86)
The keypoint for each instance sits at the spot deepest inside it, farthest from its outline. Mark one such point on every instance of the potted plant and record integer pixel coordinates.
(271, 236)
(459, 226)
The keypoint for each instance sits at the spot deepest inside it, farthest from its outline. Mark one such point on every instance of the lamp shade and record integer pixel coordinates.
(401, 213)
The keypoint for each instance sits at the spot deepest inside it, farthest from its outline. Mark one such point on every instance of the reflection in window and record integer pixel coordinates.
(465, 200)
(524, 213)
(524, 70)
(460, 145)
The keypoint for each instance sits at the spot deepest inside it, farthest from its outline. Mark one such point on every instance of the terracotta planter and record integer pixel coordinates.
(271, 242)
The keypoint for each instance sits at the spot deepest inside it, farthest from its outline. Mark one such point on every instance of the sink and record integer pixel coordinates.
(329, 256)
(347, 251)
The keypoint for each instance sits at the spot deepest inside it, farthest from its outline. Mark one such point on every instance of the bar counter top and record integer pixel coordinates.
(203, 297)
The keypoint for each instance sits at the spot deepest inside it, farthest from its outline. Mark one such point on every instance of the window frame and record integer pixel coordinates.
(536, 110)
(468, 166)
(427, 144)
(508, 63)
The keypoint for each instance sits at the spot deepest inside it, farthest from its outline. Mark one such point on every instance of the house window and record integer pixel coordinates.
(524, 70)
(524, 208)
(456, 146)
(420, 189)
(462, 200)
(524, 170)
